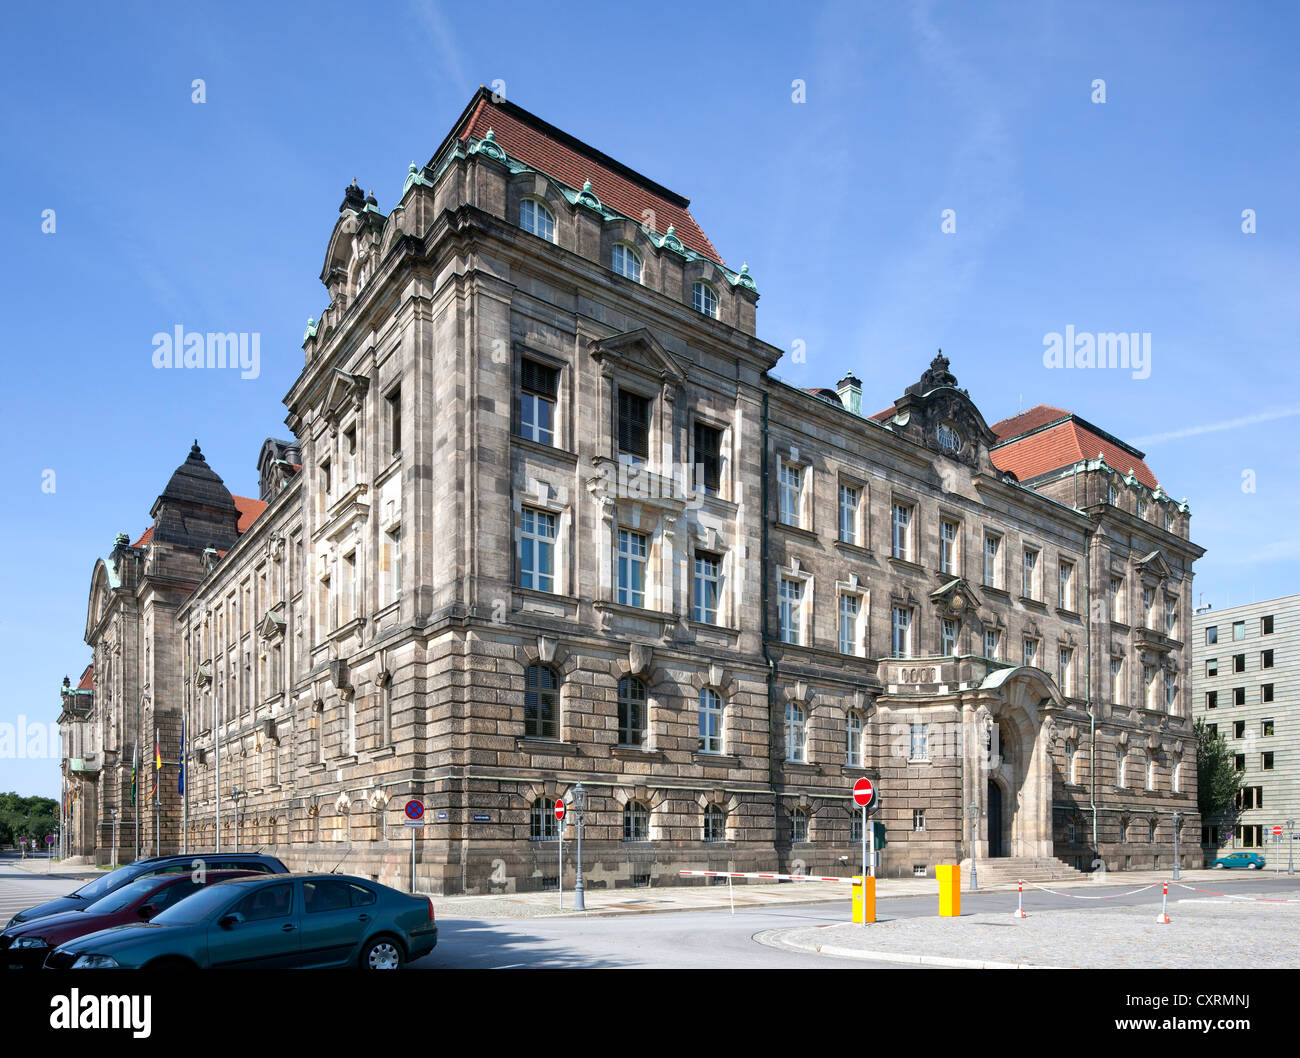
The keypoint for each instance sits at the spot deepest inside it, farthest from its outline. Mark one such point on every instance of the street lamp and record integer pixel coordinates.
(579, 807)
(974, 821)
(1177, 817)
(236, 793)
(1290, 851)
(113, 812)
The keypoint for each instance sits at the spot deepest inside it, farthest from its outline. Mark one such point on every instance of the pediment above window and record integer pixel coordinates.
(272, 624)
(955, 598)
(345, 394)
(641, 351)
(1155, 564)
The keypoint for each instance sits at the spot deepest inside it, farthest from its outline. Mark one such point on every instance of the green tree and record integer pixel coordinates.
(27, 817)
(1217, 778)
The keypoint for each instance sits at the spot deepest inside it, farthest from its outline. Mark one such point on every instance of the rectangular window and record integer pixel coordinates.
(538, 388)
(708, 458)
(1117, 599)
(1266, 625)
(1266, 659)
(1148, 684)
(791, 493)
(393, 404)
(1238, 662)
(537, 550)
(633, 426)
(707, 586)
(902, 632)
(1029, 653)
(849, 497)
(918, 820)
(1239, 696)
(1239, 761)
(920, 746)
(1211, 635)
(948, 647)
(991, 569)
(902, 532)
(1238, 629)
(1065, 671)
(1029, 575)
(948, 557)
(1266, 728)
(853, 742)
(326, 479)
(348, 588)
(992, 643)
(392, 584)
(1266, 761)
(1117, 680)
(1239, 729)
(1211, 666)
(791, 602)
(1171, 616)
(1211, 699)
(631, 568)
(1265, 692)
(349, 453)
(849, 607)
(1065, 595)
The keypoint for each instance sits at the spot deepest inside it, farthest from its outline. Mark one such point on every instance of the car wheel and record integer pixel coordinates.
(1252, 866)
(1218, 866)
(383, 953)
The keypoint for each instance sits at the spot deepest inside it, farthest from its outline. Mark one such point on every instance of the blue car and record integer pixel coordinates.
(303, 920)
(1252, 861)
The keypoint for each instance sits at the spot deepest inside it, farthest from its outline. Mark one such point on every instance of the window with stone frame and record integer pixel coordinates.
(790, 480)
(632, 708)
(901, 631)
(539, 387)
(850, 497)
(853, 740)
(992, 644)
(1029, 652)
(1029, 573)
(537, 219)
(1065, 585)
(992, 561)
(708, 458)
(949, 546)
(948, 637)
(711, 721)
(850, 610)
(543, 826)
(715, 823)
(626, 262)
(393, 413)
(636, 822)
(799, 826)
(796, 733)
(705, 299)
(541, 703)
(537, 550)
(901, 531)
(707, 585)
(633, 553)
(790, 603)
(633, 426)
(1117, 681)
(1117, 599)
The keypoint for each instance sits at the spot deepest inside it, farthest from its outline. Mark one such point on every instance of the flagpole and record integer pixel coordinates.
(216, 785)
(157, 794)
(185, 795)
(135, 797)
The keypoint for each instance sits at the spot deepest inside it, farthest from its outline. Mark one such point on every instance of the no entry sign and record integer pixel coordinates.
(1277, 831)
(863, 792)
(559, 809)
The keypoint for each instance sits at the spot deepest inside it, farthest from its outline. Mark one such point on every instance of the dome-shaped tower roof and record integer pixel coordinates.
(196, 509)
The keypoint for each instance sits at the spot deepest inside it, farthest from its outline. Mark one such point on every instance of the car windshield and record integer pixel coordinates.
(122, 898)
(94, 890)
(200, 905)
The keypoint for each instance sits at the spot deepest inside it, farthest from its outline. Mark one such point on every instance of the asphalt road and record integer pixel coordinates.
(719, 940)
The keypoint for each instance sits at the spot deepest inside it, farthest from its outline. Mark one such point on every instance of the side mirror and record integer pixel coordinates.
(147, 911)
(231, 920)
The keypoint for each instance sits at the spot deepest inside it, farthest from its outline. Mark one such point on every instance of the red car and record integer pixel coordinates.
(24, 947)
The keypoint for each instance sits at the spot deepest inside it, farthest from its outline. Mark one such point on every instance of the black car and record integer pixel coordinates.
(101, 887)
(302, 920)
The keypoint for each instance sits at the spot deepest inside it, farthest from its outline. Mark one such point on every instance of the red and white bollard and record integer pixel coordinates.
(1163, 917)
(1020, 901)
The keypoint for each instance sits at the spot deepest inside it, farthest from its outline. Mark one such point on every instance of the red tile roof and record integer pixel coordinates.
(1039, 415)
(886, 415)
(1064, 445)
(249, 509)
(557, 154)
(87, 679)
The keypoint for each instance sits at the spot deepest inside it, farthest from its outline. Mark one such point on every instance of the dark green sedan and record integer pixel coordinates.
(303, 920)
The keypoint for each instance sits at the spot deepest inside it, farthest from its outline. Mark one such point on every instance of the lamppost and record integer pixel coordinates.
(1177, 818)
(236, 793)
(974, 822)
(1290, 851)
(579, 807)
(113, 812)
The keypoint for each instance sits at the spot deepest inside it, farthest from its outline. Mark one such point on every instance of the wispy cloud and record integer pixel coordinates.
(1278, 550)
(433, 22)
(1216, 427)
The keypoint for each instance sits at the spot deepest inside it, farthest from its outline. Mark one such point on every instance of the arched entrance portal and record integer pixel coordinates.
(997, 847)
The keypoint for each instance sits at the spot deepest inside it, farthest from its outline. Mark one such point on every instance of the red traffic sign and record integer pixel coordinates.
(863, 792)
(1277, 831)
(559, 809)
(414, 809)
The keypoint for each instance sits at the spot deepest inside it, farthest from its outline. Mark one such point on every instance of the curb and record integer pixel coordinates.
(776, 939)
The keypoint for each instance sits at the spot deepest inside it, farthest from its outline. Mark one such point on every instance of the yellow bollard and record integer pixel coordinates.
(949, 875)
(864, 900)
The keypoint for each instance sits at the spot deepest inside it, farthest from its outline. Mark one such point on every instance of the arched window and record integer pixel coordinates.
(536, 218)
(542, 822)
(715, 823)
(631, 712)
(541, 703)
(705, 299)
(799, 825)
(626, 262)
(853, 741)
(710, 721)
(636, 822)
(796, 733)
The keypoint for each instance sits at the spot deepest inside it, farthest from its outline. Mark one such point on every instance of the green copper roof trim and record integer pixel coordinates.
(488, 146)
(414, 178)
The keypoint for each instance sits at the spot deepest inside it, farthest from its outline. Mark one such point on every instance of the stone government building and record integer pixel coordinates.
(546, 517)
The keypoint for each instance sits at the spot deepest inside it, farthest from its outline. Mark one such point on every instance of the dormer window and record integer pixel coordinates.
(626, 262)
(537, 219)
(705, 300)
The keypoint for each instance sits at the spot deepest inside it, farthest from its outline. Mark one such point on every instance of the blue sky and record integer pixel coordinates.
(1117, 216)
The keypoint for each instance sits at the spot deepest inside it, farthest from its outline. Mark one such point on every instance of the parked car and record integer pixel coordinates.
(111, 882)
(1252, 861)
(24, 947)
(308, 920)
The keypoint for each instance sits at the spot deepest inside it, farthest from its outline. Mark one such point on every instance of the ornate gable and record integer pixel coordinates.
(639, 350)
(935, 414)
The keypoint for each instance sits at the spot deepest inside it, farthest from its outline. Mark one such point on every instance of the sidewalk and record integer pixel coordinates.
(750, 894)
(1203, 932)
(55, 869)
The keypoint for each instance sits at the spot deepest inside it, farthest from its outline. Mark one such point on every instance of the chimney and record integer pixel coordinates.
(850, 390)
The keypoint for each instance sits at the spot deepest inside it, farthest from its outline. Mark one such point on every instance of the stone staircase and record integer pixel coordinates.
(1009, 870)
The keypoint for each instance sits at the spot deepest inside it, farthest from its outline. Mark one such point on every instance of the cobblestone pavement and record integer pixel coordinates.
(1204, 931)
